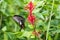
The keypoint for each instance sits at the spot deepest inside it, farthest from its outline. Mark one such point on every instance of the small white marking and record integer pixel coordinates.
(20, 23)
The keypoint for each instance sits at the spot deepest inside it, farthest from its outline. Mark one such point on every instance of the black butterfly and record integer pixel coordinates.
(20, 20)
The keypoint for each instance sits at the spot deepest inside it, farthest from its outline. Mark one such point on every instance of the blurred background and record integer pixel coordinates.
(47, 23)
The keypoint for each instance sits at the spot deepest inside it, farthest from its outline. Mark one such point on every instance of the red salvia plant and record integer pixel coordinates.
(31, 17)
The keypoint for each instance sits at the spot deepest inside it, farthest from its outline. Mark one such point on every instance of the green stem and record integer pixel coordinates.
(49, 23)
(5, 36)
(0, 20)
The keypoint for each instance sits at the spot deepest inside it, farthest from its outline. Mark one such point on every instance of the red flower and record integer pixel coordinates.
(31, 19)
(30, 7)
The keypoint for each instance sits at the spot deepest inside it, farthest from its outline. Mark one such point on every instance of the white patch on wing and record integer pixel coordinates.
(20, 23)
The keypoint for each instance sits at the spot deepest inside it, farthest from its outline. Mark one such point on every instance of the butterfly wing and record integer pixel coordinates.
(20, 20)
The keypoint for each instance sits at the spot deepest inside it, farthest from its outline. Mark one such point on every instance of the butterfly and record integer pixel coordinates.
(20, 20)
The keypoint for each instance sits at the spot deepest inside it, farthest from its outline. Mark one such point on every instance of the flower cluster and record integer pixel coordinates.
(31, 17)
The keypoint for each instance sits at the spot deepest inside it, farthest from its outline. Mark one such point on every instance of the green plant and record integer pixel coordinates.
(47, 23)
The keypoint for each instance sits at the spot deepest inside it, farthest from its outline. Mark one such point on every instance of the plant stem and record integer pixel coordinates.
(49, 23)
(0, 21)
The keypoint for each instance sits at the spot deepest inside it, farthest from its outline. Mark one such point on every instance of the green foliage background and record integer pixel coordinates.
(47, 13)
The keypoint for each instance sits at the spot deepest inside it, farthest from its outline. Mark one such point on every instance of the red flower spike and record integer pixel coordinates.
(30, 7)
(31, 19)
